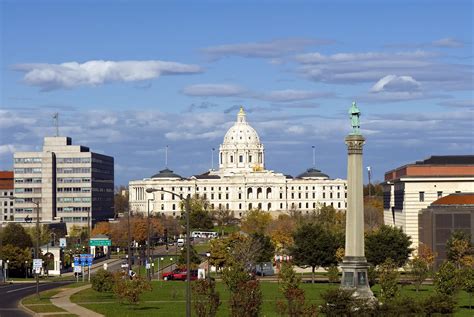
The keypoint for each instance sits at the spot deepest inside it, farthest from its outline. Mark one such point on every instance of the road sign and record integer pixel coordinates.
(77, 269)
(86, 259)
(37, 264)
(100, 243)
(62, 242)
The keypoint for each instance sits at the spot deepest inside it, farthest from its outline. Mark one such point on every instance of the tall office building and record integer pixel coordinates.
(70, 183)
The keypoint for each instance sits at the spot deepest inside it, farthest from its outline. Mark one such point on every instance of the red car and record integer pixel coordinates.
(170, 275)
(182, 276)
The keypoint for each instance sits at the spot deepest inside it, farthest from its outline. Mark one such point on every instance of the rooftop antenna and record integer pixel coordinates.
(314, 156)
(166, 157)
(212, 158)
(56, 122)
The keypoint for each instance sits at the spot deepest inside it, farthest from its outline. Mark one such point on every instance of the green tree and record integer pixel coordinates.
(102, 281)
(329, 217)
(387, 242)
(14, 234)
(17, 257)
(446, 280)
(129, 291)
(222, 216)
(45, 234)
(255, 221)
(315, 246)
(200, 216)
(194, 258)
(420, 271)
(467, 282)
(121, 200)
(266, 249)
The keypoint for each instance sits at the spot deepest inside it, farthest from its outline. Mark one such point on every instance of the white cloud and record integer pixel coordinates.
(396, 84)
(447, 42)
(98, 72)
(216, 90)
(350, 68)
(290, 95)
(270, 49)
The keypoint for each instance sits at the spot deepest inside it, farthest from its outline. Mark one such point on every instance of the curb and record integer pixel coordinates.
(25, 309)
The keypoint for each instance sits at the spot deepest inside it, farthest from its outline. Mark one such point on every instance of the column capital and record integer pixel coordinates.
(355, 144)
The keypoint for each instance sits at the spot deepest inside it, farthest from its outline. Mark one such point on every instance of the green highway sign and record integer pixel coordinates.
(100, 243)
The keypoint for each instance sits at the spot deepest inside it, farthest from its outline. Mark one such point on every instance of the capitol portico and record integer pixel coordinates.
(241, 183)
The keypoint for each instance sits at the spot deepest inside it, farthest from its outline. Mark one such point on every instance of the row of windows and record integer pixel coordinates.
(74, 199)
(28, 180)
(73, 209)
(6, 203)
(421, 195)
(269, 206)
(75, 219)
(6, 193)
(23, 210)
(27, 170)
(74, 190)
(73, 180)
(28, 190)
(74, 170)
(99, 170)
(28, 160)
(69, 160)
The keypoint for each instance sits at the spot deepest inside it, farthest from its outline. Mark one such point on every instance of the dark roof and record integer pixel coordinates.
(448, 159)
(456, 199)
(207, 175)
(312, 172)
(166, 173)
(288, 176)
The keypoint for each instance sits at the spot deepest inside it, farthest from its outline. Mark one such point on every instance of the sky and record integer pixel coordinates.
(129, 78)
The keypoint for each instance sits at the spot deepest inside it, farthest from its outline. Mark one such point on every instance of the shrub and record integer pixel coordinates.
(102, 281)
(246, 301)
(439, 304)
(337, 302)
(333, 274)
(388, 279)
(400, 306)
(446, 280)
(129, 291)
(206, 300)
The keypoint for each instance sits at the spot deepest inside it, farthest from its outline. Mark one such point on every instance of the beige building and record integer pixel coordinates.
(413, 187)
(70, 183)
(6, 191)
(241, 182)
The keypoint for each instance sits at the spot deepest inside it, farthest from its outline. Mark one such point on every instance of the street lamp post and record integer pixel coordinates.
(188, 266)
(148, 239)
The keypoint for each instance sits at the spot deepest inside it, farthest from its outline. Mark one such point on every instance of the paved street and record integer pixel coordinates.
(11, 294)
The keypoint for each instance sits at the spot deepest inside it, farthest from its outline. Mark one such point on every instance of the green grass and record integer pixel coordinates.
(45, 308)
(167, 298)
(163, 264)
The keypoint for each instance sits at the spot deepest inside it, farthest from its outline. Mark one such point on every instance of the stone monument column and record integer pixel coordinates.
(354, 264)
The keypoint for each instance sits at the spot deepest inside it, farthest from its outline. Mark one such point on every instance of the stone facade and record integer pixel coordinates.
(241, 182)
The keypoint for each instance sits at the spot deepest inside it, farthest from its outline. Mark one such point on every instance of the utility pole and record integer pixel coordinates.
(37, 245)
(148, 239)
(129, 243)
(369, 172)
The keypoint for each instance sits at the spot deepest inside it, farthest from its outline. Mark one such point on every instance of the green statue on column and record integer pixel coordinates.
(354, 114)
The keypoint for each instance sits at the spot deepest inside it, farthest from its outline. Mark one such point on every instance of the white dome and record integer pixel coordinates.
(241, 132)
(241, 149)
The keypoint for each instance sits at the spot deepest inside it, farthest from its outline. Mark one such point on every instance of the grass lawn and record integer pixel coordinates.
(167, 298)
(43, 303)
(167, 261)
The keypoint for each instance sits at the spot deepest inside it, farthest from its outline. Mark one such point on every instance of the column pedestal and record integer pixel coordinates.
(354, 276)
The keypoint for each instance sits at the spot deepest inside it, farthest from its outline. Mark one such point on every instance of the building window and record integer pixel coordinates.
(240, 195)
(250, 158)
(338, 205)
(174, 207)
(226, 196)
(440, 194)
(231, 159)
(281, 205)
(421, 196)
(324, 195)
(241, 158)
(240, 206)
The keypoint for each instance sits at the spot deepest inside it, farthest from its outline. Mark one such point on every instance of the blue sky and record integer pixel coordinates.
(130, 77)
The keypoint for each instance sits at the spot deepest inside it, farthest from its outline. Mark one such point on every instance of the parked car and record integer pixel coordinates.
(264, 269)
(182, 276)
(170, 275)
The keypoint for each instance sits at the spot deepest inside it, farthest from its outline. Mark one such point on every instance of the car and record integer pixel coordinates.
(264, 269)
(170, 275)
(182, 276)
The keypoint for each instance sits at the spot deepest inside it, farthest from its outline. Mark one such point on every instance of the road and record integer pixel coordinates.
(11, 294)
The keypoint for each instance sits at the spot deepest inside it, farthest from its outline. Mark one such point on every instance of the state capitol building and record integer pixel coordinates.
(241, 183)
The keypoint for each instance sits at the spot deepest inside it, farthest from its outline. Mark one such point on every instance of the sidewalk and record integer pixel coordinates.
(63, 300)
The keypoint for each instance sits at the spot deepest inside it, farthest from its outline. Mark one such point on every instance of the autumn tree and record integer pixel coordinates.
(281, 232)
(315, 246)
(255, 221)
(388, 279)
(102, 227)
(265, 247)
(373, 212)
(223, 216)
(459, 249)
(206, 300)
(421, 265)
